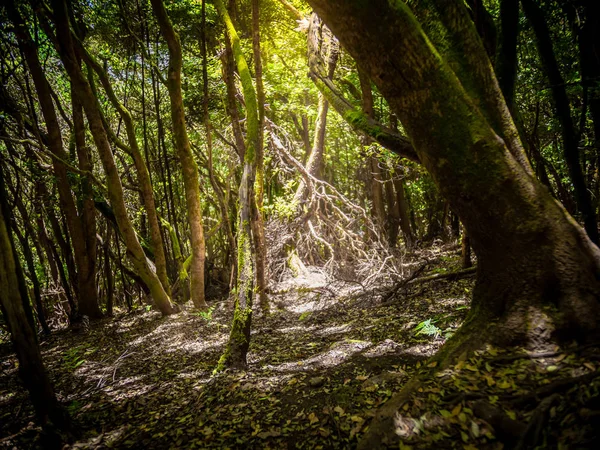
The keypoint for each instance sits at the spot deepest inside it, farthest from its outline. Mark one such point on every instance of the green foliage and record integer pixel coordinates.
(206, 315)
(428, 328)
(73, 358)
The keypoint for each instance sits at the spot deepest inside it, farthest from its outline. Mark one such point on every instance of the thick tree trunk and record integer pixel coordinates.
(563, 113)
(532, 257)
(115, 190)
(189, 168)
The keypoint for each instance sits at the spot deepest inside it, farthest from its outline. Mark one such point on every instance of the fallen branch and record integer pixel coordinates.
(443, 276)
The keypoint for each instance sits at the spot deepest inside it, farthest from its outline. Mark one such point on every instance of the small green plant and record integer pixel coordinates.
(73, 358)
(206, 315)
(428, 328)
(305, 315)
(148, 308)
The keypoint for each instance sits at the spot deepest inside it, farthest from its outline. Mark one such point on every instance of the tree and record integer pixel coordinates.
(534, 261)
(184, 151)
(239, 338)
(31, 367)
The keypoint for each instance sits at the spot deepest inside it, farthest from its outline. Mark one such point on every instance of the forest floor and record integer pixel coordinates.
(320, 364)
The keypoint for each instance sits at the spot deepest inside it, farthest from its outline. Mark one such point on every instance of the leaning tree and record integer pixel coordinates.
(538, 274)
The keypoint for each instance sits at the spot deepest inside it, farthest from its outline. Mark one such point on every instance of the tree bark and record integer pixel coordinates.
(260, 244)
(186, 159)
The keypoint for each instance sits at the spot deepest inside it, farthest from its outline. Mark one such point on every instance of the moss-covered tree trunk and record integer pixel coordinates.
(83, 90)
(143, 174)
(534, 261)
(189, 168)
(239, 339)
(260, 244)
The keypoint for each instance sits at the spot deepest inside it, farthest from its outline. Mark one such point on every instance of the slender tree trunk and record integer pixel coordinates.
(465, 252)
(393, 217)
(231, 106)
(506, 58)
(375, 175)
(216, 187)
(31, 366)
(260, 244)
(115, 189)
(108, 274)
(186, 158)
(88, 306)
(239, 338)
(86, 289)
(144, 180)
(563, 112)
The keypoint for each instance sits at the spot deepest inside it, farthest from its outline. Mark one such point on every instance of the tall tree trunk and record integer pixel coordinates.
(506, 58)
(216, 187)
(31, 367)
(87, 278)
(260, 244)
(115, 189)
(239, 338)
(563, 112)
(86, 288)
(143, 174)
(184, 151)
(375, 175)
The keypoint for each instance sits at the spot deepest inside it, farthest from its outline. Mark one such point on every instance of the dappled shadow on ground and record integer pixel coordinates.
(319, 366)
